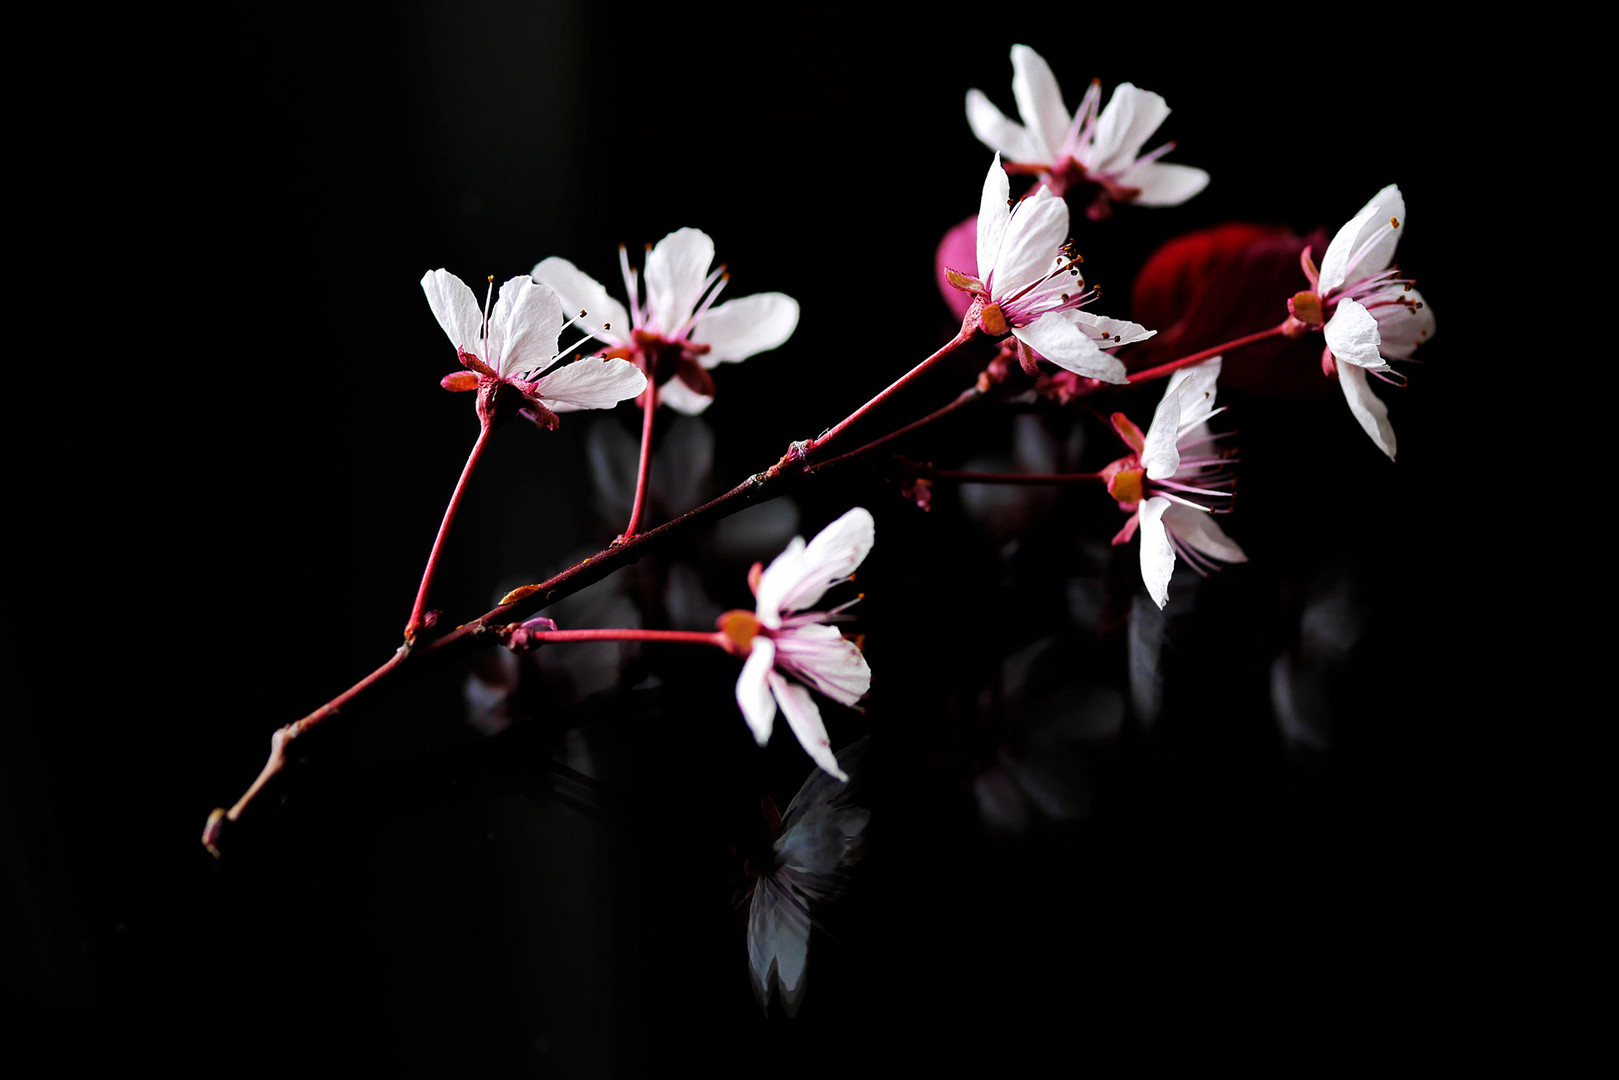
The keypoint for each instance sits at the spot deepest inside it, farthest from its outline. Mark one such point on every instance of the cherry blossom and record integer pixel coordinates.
(1368, 313)
(506, 352)
(1028, 284)
(1101, 149)
(677, 333)
(1173, 482)
(779, 638)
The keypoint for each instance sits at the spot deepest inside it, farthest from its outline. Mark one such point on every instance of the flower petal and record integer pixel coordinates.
(1059, 338)
(523, 327)
(1130, 118)
(821, 656)
(998, 133)
(1350, 252)
(1164, 183)
(801, 574)
(1402, 329)
(579, 291)
(1196, 388)
(1115, 332)
(1039, 102)
(1353, 337)
(753, 689)
(590, 384)
(992, 217)
(1198, 530)
(675, 272)
(682, 398)
(1157, 554)
(1158, 452)
(737, 329)
(456, 310)
(805, 719)
(1032, 246)
(1367, 408)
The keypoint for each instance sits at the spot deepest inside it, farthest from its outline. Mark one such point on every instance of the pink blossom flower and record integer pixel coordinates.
(1102, 150)
(1173, 482)
(779, 638)
(507, 351)
(1367, 312)
(1028, 283)
(677, 334)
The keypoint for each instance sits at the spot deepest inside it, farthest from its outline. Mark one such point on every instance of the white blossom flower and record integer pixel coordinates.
(676, 333)
(780, 638)
(507, 351)
(1174, 482)
(1102, 149)
(1367, 312)
(1029, 285)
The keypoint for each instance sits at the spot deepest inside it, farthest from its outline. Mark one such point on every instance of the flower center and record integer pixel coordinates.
(740, 628)
(992, 319)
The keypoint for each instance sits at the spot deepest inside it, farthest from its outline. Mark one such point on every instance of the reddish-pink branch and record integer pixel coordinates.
(1198, 357)
(965, 397)
(946, 349)
(685, 637)
(1019, 479)
(417, 610)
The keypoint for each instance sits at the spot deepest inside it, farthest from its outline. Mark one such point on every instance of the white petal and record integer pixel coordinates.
(1341, 260)
(753, 689)
(800, 575)
(1195, 386)
(579, 291)
(1039, 102)
(992, 219)
(1402, 329)
(1116, 331)
(1059, 338)
(1198, 530)
(1130, 118)
(682, 398)
(590, 384)
(675, 272)
(456, 309)
(1372, 414)
(1157, 555)
(998, 133)
(523, 327)
(805, 719)
(1032, 245)
(1353, 337)
(820, 655)
(737, 329)
(1163, 183)
(1158, 452)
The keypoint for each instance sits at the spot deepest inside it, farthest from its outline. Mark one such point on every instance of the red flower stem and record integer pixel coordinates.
(650, 397)
(969, 395)
(688, 637)
(1198, 357)
(415, 622)
(944, 350)
(1020, 479)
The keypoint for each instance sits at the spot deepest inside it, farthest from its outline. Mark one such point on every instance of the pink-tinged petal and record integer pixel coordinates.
(992, 216)
(1128, 530)
(1039, 102)
(1059, 338)
(1158, 452)
(753, 689)
(998, 133)
(1195, 387)
(1369, 411)
(957, 256)
(1110, 333)
(1353, 337)
(590, 384)
(1157, 554)
(1199, 531)
(682, 398)
(1130, 118)
(675, 272)
(805, 719)
(581, 292)
(800, 575)
(1402, 329)
(1345, 260)
(821, 656)
(523, 327)
(1129, 432)
(1163, 183)
(737, 329)
(1031, 247)
(456, 309)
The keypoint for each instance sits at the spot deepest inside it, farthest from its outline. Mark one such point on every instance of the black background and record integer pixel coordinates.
(230, 454)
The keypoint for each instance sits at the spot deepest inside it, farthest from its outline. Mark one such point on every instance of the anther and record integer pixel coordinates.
(1394, 222)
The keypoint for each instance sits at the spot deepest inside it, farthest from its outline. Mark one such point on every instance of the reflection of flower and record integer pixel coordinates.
(780, 638)
(1102, 150)
(1368, 313)
(820, 839)
(1174, 515)
(678, 333)
(1027, 283)
(506, 350)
